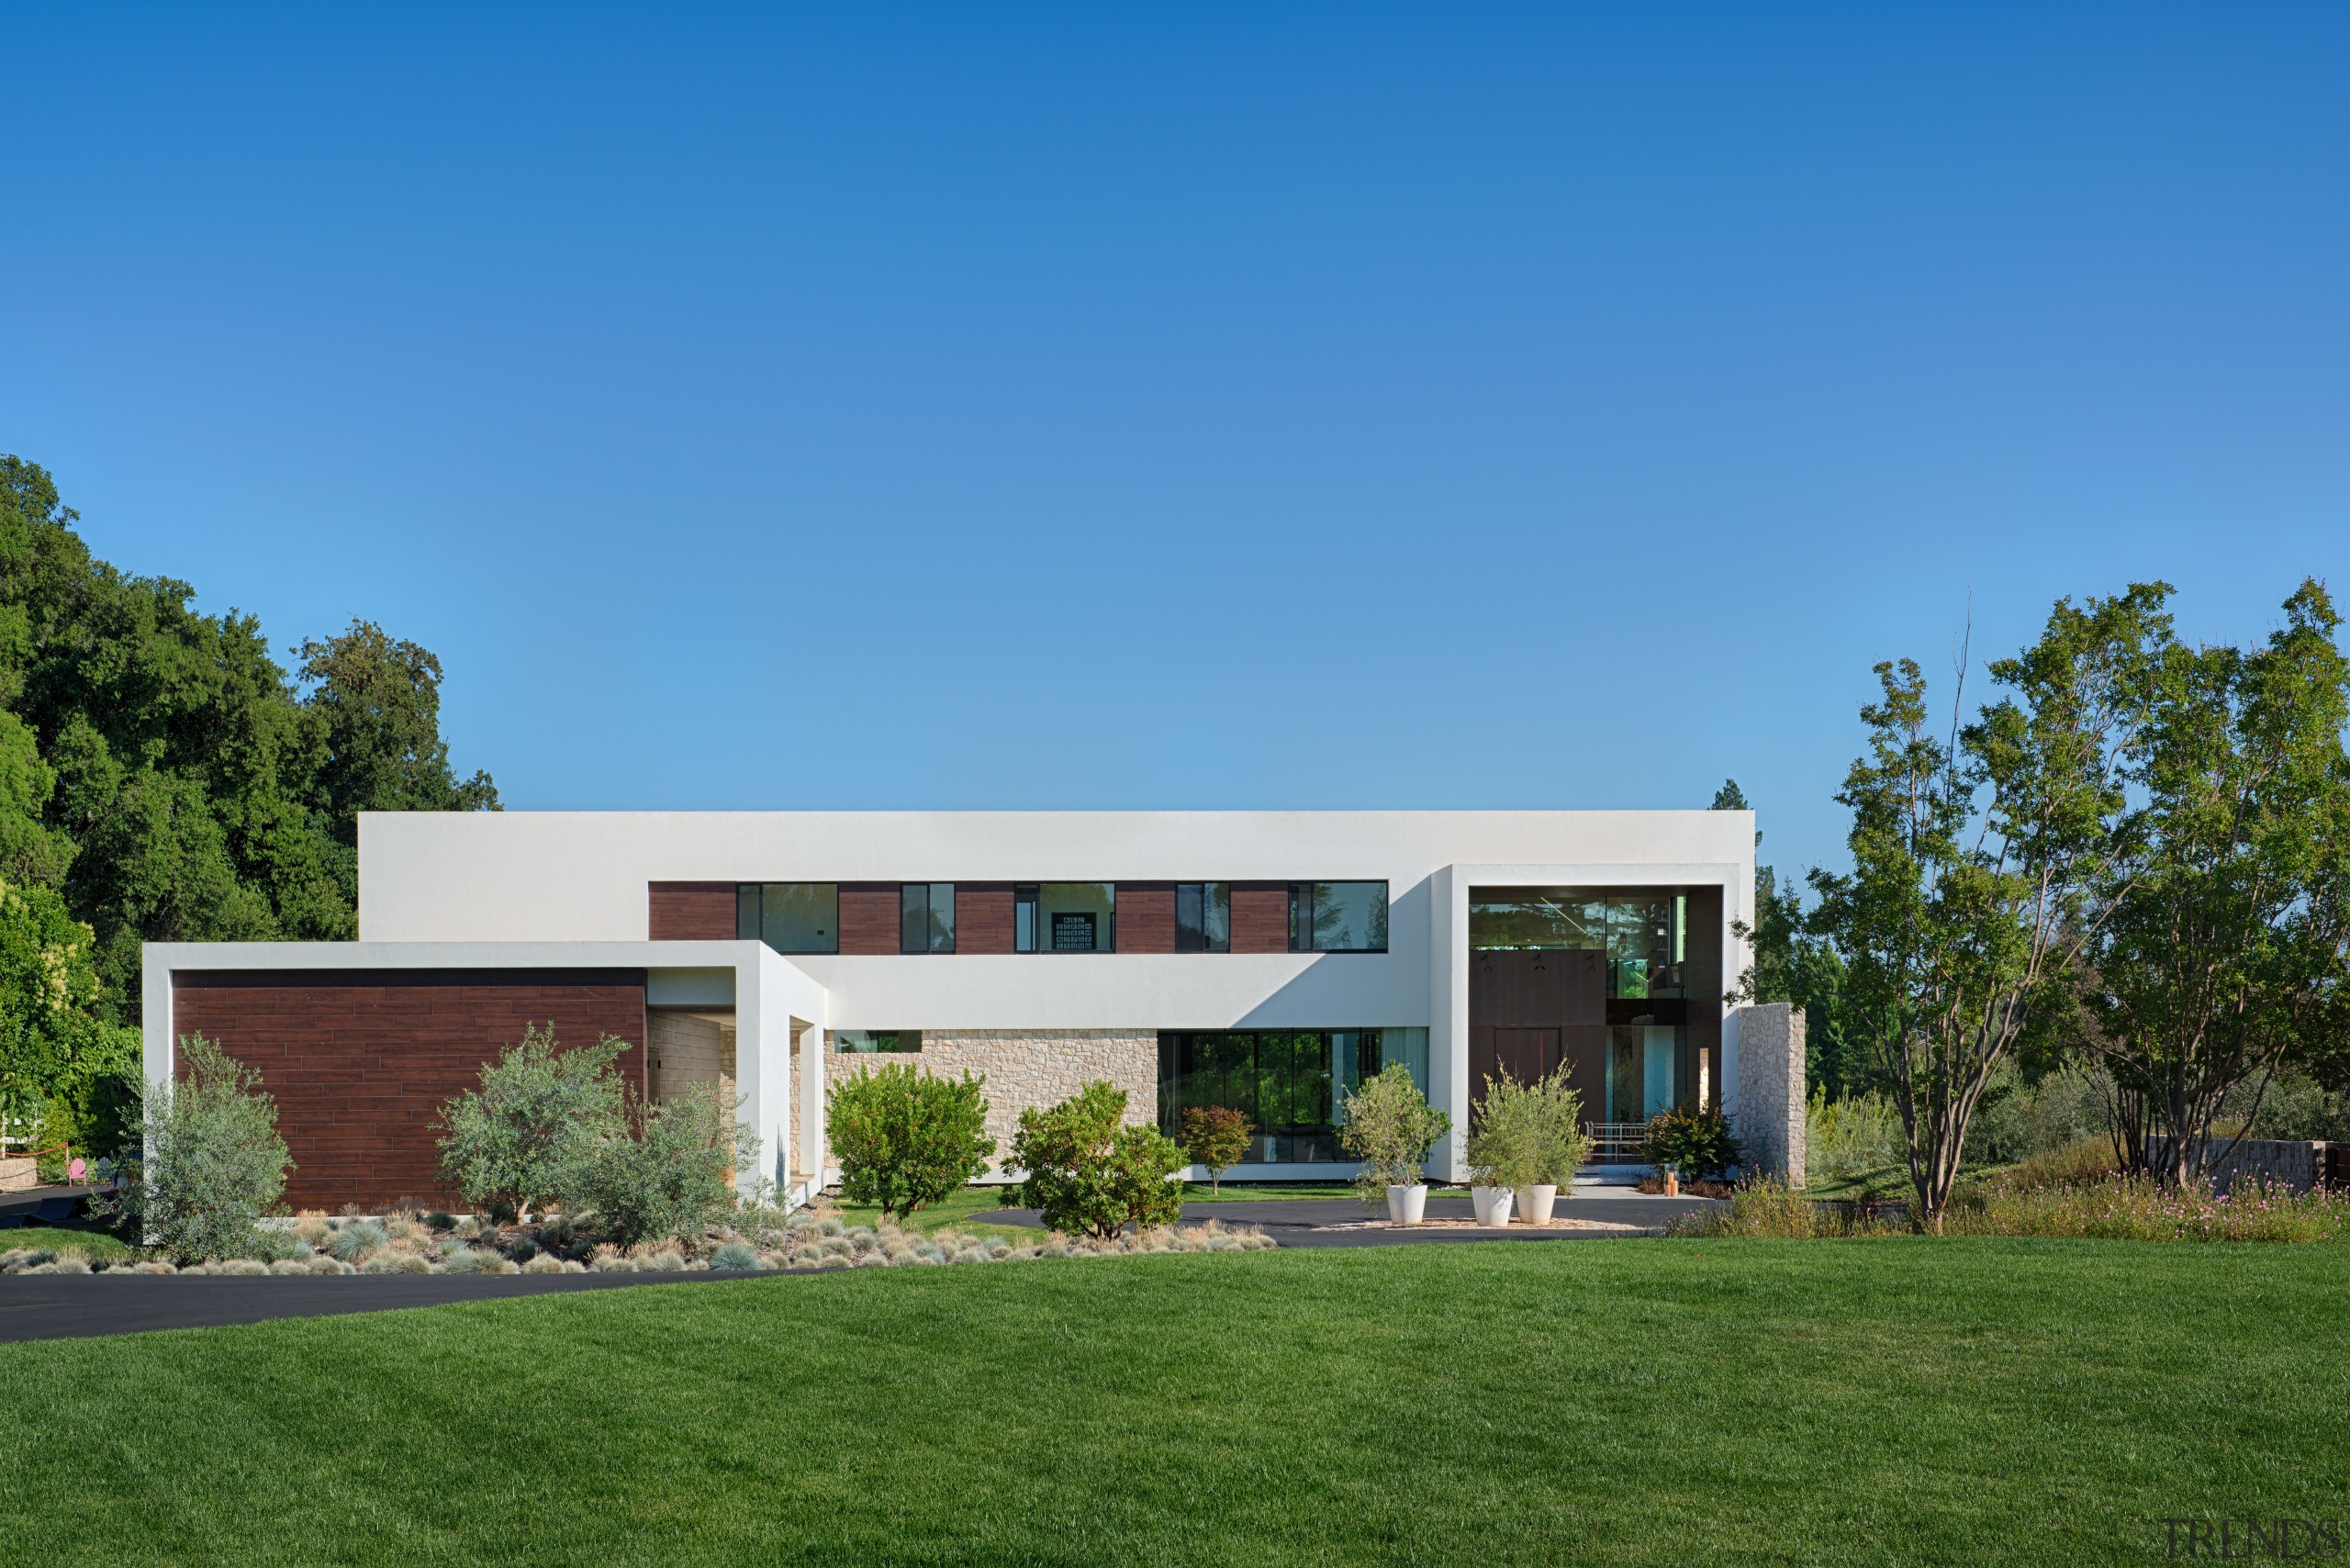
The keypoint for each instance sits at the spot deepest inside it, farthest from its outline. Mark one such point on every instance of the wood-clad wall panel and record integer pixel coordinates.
(983, 917)
(360, 1062)
(1146, 917)
(870, 917)
(1260, 917)
(690, 912)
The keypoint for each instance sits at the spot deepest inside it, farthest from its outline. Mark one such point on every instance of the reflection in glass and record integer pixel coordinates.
(1644, 935)
(926, 917)
(1075, 917)
(1642, 1070)
(1338, 917)
(866, 1042)
(1290, 1083)
(1204, 917)
(790, 917)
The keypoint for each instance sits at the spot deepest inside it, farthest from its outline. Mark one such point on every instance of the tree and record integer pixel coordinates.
(212, 1163)
(1088, 1172)
(1980, 862)
(518, 1141)
(180, 787)
(906, 1138)
(1390, 1128)
(2225, 952)
(1217, 1138)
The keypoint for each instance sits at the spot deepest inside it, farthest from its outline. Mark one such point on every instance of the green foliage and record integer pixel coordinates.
(60, 1063)
(2223, 955)
(161, 770)
(1848, 1137)
(514, 1142)
(1216, 1138)
(1694, 1143)
(906, 1138)
(2022, 1118)
(1390, 1128)
(1512, 1128)
(212, 1164)
(1089, 1174)
(1979, 861)
(668, 1170)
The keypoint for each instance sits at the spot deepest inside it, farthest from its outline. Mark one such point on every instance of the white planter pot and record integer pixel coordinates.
(1407, 1205)
(1492, 1204)
(1534, 1203)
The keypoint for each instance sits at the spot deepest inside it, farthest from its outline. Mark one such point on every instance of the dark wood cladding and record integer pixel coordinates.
(870, 917)
(690, 912)
(983, 917)
(1146, 917)
(1260, 917)
(360, 1061)
(1531, 1012)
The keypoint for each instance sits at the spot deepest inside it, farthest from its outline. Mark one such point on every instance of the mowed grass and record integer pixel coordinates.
(1891, 1401)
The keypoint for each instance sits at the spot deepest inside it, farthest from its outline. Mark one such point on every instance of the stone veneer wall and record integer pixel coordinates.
(1027, 1067)
(1770, 1100)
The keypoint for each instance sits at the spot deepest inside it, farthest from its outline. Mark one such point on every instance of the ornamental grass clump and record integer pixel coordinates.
(2139, 1208)
(352, 1241)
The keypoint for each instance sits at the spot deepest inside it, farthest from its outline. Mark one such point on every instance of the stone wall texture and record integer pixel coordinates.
(1027, 1067)
(1771, 1088)
(2300, 1166)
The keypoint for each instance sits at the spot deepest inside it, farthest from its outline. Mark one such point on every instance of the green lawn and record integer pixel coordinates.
(1620, 1403)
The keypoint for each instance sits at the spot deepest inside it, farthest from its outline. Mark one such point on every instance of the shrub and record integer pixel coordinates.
(1507, 1147)
(1390, 1127)
(212, 1164)
(1216, 1138)
(905, 1138)
(514, 1141)
(1851, 1137)
(1088, 1174)
(1694, 1143)
(668, 1169)
(2083, 1160)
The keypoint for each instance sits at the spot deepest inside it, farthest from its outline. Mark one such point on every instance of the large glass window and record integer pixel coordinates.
(926, 917)
(1290, 1083)
(1338, 917)
(1065, 917)
(867, 1042)
(1644, 1071)
(1645, 936)
(1204, 917)
(790, 917)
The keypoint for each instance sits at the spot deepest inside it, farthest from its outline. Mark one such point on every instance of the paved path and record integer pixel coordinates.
(67, 1306)
(1300, 1222)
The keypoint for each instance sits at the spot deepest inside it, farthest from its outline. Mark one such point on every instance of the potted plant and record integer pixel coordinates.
(1561, 1143)
(1390, 1127)
(1505, 1152)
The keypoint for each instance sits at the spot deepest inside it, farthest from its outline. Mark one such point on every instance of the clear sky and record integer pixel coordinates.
(1207, 407)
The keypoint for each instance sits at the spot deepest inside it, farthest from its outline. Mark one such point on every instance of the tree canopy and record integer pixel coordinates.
(163, 778)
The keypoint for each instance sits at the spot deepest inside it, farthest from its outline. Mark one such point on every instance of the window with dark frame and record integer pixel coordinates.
(790, 917)
(1338, 917)
(1204, 917)
(925, 917)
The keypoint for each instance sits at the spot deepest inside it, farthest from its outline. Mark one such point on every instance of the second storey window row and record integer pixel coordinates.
(873, 918)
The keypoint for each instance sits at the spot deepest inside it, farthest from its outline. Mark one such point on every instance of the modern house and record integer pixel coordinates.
(1267, 961)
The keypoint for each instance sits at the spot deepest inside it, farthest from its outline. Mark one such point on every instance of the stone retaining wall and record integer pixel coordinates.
(2298, 1165)
(1770, 1112)
(1027, 1067)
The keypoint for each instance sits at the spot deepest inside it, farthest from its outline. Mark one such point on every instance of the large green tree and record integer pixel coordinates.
(163, 779)
(1981, 859)
(2225, 956)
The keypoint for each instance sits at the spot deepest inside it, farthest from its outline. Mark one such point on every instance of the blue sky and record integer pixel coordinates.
(1205, 406)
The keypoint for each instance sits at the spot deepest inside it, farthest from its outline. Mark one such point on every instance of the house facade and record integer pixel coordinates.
(1265, 960)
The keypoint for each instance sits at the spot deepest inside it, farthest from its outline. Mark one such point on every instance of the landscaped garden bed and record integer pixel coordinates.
(764, 1240)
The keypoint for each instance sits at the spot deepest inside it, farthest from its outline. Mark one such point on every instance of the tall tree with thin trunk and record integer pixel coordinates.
(1978, 855)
